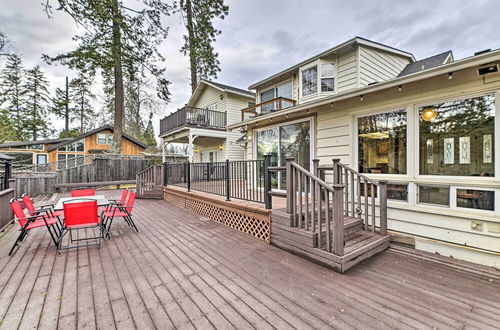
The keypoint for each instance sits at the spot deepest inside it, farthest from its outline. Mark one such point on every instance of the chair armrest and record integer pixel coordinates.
(47, 206)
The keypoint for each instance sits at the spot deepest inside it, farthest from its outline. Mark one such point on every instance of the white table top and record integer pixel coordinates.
(101, 200)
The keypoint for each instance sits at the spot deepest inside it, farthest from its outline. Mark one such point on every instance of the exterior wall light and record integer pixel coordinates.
(429, 114)
(196, 150)
(221, 147)
(450, 75)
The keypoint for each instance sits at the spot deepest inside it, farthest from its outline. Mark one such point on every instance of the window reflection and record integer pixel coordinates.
(382, 143)
(434, 195)
(457, 137)
(476, 199)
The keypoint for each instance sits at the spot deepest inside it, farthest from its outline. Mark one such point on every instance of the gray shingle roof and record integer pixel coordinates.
(29, 143)
(230, 88)
(426, 63)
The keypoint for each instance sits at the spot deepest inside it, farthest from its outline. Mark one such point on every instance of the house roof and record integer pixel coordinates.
(334, 50)
(221, 87)
(29, 143)
(94, 131)
(6, 157)
(427, 63)
(463, 64)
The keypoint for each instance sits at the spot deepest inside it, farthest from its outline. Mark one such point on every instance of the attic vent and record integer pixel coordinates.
(483, 52)
(485, 69)
(373, 83)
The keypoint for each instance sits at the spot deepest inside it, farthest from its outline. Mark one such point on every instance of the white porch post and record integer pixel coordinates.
(191, 139)
(163, 149)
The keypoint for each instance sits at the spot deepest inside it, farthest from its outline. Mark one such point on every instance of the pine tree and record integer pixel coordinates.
(81, 98)
(37, 96)
(12, 98)
(149, 133)
(200, 35)
(7, 129)
(117, 39)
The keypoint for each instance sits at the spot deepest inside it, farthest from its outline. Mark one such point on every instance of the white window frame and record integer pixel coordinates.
(334, 76)
(105, 139)
(455, 178)
(318, 87)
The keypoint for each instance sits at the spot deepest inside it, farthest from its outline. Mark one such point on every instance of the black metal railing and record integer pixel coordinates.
(244, 179)
(193, 117)
(5, 175)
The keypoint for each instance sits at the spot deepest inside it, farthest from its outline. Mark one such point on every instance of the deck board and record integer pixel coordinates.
(183, 271)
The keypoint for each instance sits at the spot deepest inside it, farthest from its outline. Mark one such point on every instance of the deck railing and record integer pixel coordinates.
(232, 179)
(149, 180)
(193, 117)
(5, 175)
(360, 194)
(262, 108)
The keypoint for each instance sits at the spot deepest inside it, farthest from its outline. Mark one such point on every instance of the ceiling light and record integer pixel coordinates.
(450, 75)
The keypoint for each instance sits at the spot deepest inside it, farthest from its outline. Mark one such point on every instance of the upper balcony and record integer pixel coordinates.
(193, 117)
(266, 107)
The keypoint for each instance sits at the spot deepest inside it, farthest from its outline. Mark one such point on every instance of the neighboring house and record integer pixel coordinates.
(69, 149)
(201, 124)
(430, 127)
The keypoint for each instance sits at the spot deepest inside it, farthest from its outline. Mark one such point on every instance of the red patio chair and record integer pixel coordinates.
(80, 214)
(114, 202)
(48, 208)
(82, 192)
(28, 222)
(117, 211)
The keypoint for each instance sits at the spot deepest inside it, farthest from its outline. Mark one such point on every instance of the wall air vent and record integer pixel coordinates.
(489, 68)
(482, 52)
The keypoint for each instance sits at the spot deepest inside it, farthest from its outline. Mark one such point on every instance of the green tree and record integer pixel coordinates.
(81, 98)
(7, 130)
(37, 96)
(198, 16)
(12, 98)
(149, 133)
(117, 38)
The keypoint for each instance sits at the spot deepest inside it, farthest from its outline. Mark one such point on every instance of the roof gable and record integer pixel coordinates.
(95, 131)
(203, 84)
(427, 63)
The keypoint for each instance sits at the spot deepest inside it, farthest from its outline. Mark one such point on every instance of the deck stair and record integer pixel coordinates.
(335, 225)
(149, 182)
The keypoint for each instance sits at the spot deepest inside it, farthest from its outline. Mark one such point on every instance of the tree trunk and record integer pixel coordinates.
(33, 124)
(81, 112)
(118, 74)
(192, 52)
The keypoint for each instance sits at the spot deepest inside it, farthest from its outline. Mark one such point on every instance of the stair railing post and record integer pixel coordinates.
(187, 174)
(338, 219)
(316, 167)
(268, 199)
(165, 174)
(336, 171)
(383, 207)
(228, 193)
(290, 191)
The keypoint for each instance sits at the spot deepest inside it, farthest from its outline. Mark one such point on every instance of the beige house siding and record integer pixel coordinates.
(347, 71)
(377, 65)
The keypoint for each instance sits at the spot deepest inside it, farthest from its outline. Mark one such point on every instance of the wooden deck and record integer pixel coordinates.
(182, 271)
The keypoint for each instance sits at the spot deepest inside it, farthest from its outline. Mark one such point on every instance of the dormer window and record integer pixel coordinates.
(310, 81)
(327, 77)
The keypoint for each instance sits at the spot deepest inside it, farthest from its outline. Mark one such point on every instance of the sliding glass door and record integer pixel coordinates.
(287, 140)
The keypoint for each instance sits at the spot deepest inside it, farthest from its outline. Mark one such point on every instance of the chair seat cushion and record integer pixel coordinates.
(39, 222)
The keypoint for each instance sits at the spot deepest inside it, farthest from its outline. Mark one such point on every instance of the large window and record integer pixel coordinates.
(457, 137)
(382, 143)
(310, 81)
(78, 146)
(292, 140)
(283, 90)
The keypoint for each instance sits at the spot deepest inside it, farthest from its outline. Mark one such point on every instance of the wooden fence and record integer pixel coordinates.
(6, 215)
(100, 170)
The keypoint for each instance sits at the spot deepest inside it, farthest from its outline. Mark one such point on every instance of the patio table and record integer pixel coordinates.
(101, 200)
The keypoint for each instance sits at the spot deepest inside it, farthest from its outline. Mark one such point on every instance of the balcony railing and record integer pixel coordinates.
(263, 108)
(193, 117)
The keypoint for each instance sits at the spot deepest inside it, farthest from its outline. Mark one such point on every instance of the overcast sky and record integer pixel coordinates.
(261, 37)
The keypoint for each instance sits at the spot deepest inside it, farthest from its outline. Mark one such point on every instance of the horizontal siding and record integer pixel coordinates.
(376, 65)
(347, 71)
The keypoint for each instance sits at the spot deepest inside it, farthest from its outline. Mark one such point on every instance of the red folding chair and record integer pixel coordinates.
(80, 214)
(114, 202)
(28, 222)
(117, 211)
(48, 208)
(82, 192)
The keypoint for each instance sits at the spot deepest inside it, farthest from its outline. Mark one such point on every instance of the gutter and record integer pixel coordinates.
(466, 63)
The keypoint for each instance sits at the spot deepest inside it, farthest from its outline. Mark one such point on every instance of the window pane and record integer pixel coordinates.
(397, 192)
(101, 138)
(80, 145)
(382, 143)
(36, 146)
(327, 84)
(434, 195)
(476, 199)
(267, 144)
(309, 81)
(328, 70)
(267, 96)
(21, 158)
(110, 139)
(457, 137)
(285, 91)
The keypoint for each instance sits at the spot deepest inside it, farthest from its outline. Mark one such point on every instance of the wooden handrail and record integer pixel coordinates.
(279, 99)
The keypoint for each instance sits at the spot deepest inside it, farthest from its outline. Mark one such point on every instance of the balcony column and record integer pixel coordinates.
(164, 150)
(191, 139)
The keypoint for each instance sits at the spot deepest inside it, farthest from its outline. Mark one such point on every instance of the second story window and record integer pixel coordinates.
(327, 77)
(310, 81)
(105, 139)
